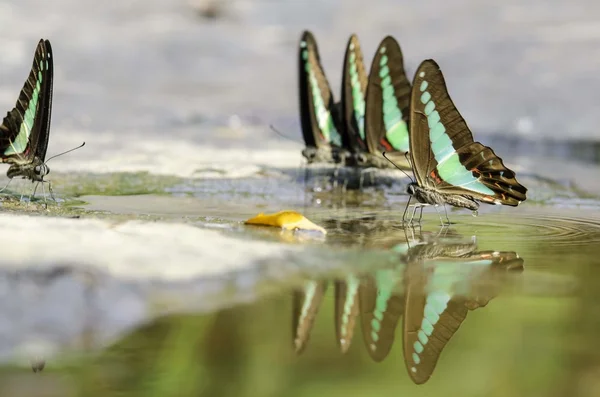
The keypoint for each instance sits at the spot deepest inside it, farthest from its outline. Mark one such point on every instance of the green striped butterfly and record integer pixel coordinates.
(375, 108)
(25, 130)
(319, 115)
(439, 294)
(387, 108)
(449, 166)
(354, 88)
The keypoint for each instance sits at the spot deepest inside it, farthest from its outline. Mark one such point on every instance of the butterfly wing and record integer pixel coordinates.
(354, 86)
(25, 130)
(438, 297)
(306, 303)
(387, 102)
(320, 127)
(443, 153)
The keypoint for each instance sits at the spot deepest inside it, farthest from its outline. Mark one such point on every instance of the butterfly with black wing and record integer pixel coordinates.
(25, 130)
(319, 114)
(449, 166)
(376, 109)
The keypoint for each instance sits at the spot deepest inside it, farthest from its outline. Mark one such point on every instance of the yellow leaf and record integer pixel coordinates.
(286, 220)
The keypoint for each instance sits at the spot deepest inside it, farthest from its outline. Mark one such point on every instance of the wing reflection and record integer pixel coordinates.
(435, 281)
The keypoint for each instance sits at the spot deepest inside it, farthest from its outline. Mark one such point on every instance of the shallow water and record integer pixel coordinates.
(214, 317)
(143, 280)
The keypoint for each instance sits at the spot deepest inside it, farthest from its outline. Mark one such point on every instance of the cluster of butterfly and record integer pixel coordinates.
(416, 127)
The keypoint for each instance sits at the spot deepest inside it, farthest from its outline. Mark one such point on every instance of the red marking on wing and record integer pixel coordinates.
(385, 144)
(436, 177)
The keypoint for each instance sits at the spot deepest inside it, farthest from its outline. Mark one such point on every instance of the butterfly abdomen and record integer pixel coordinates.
(434, 197)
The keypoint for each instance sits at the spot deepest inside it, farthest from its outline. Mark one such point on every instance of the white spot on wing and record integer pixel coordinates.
(422, 74)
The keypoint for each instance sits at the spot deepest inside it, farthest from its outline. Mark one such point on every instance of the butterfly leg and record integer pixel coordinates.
(360, 180)
(443, 229)
(412, 235)
(405, 211)
(51, 191)
(421, 215)
(45, 199)
(5, 186)
(412, 217)
(440, 215)
(336, 173)
(32, 195)
(446, 212)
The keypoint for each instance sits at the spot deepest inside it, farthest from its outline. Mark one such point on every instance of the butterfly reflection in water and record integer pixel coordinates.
(432, 287)
(449, 166)
(25, 130)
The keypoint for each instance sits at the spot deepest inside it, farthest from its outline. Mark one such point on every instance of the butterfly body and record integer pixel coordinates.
(25, 130)
(433, 197)
(35, 171)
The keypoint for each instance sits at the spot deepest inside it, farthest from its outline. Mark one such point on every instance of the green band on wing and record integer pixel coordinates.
(19, 144)
(396, 130)
(358, 99)
(449, 167)
(324, 118)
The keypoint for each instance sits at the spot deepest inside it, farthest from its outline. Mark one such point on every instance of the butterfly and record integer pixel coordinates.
(449, 167)
(354, 88)
(25, 130)
(319, 115)
(386, 116)
(375, 108)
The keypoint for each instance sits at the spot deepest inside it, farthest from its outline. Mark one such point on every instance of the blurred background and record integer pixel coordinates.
(174, 98)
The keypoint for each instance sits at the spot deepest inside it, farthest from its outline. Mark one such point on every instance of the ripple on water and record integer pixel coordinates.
(543, 228)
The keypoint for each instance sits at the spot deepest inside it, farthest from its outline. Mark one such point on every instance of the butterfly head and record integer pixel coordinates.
(412, 188)
(41, 170)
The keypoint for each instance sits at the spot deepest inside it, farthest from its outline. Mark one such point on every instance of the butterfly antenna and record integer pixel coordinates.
(4, 188)
(68, 151)
(394, 164)
(275, 130)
